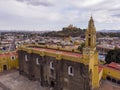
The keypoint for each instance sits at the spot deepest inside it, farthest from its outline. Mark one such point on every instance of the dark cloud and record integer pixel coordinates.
(116, 15)
(115, 9)
(37, 2)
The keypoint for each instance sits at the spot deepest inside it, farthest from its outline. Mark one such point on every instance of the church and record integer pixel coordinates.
(62, 70)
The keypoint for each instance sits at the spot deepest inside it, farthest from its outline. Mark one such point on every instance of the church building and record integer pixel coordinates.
(62, 70)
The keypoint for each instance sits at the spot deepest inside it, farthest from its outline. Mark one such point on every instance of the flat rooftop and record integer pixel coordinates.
(58, 53)
(78, 55)
(114, 66)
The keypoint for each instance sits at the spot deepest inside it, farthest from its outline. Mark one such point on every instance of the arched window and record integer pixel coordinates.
(12, 57)
(37, 61)
(51, 65)
(71, 71)
(26, 58)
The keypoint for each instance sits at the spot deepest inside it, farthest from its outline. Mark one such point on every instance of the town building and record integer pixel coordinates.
(9, 57)
(112, 72)
(8, 61)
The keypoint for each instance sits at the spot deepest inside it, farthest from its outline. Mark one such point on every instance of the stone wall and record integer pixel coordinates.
(54, 73)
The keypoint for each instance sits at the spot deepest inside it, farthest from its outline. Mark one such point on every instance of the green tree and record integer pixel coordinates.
(80, 48)
(113, 56)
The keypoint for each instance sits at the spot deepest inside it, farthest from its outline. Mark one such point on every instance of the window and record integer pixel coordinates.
(12, 57)
(89, 35)
(52, 72)
(71, 71)
(51, 65)
(26, 58)
(89, 41)
(37, 61)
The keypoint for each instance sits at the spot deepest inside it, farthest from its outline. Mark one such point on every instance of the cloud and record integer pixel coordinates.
(116, 15)
(55, 14)
(37, 2)
(84, 3)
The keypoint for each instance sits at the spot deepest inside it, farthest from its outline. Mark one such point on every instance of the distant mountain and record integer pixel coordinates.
(23, 31)
(109, 31)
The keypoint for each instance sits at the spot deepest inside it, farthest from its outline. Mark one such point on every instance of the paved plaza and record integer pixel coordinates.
(108, 85)
(14, 81)
(11, 80)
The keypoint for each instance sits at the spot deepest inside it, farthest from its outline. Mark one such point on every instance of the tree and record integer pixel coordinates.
(113, 56)
(80, 48)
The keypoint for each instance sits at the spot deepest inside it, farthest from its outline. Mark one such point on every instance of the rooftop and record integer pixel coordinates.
(59, 52)
(114, 66)
(4, 54)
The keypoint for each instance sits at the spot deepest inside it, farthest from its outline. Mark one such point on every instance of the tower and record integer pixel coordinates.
(90, 42)
(91, 35)
(90, 53)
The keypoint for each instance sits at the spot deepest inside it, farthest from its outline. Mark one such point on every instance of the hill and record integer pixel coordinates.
(66, 32)
(75, 32)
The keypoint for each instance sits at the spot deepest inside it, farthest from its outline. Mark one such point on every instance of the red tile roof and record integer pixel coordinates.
(114, 66)
(61, 52)
(8, 54)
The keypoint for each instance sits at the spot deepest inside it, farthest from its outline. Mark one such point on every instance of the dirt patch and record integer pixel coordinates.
(14, 81)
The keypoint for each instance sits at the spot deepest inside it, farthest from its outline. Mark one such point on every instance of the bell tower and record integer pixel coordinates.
(90, 36)
(90, 53)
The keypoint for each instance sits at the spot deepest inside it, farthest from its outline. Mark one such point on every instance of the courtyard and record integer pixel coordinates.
(11, 80)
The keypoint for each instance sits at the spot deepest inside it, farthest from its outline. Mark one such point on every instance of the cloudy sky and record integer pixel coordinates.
(55, 14)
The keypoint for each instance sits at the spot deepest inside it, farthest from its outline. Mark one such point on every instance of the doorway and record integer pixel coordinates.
(52, 84)
(108, 78)
(4, 67)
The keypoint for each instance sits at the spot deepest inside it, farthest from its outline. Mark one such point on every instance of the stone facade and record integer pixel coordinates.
(54, 73)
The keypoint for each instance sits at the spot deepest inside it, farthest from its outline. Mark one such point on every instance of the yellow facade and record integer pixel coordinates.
(111, 73)
(91, 54)
(8, 60)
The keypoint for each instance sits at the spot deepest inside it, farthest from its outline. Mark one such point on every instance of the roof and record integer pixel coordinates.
(59, 52)
(8, 54)
(109, 47)
(114, 66)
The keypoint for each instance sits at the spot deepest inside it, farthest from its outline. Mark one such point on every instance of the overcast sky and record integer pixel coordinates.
(55, 14)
